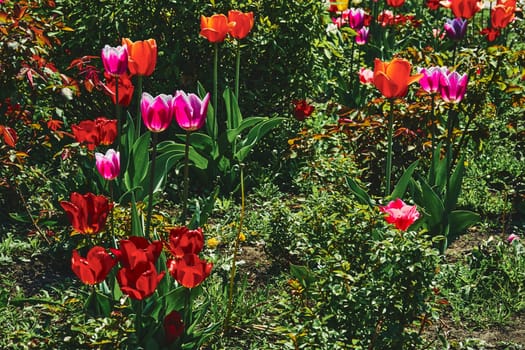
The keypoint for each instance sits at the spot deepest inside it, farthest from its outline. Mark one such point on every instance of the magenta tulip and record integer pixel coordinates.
(431, 78)
(356, 18)
(156, 112)
(190, 111)
(108, 165)
(400, 214)
(362, 36)
(453, 86)
(115, 59)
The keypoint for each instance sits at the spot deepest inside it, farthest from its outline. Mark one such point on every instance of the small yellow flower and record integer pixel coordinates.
(242, 237)
(212, 243)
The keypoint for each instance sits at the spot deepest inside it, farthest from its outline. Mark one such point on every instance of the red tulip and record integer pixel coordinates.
(214, 28)
(184, 241)
(463, 8)
(503, 13)
(87, 213)
(395, 3)
(173, 326)
(139, 282)
(400, 214)
(302, 109)
(107, 130)
(136, 250)
(95, 267)
(86, 132)
(190, 271)
(142, 56)
(392, 78)
(240, 23)
(125, 89)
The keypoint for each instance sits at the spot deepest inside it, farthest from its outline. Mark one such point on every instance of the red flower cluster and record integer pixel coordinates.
(186, 267)
(215, 28)
(302, 109)
(500, 16)
(92, 133)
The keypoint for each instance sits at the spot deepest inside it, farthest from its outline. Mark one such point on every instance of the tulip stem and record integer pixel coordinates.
(235, 251)
(389, 149)
(151, 179)
(215, 79)
(186, 177)
(112, 210)
(237, 69)
(117, 112)
(139, 94)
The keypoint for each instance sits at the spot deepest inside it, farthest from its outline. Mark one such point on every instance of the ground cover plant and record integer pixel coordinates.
(262, 175)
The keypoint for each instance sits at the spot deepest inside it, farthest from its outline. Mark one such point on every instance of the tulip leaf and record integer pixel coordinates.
(138, 162)
(173, 149)
(212, 127)
(438, 170)
(360, 193)
(401, 186)
(233, 113)
(459, 221)
(432, 204)
(175, 299)
(246, 123)
(255, 134)
(455, 185)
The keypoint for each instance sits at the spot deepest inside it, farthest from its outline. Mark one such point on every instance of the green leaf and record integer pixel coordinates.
(401, 186)
(455, 185)
(438, 170)
(360, 193)
(233, 113)
(432, 204)
(138, 164)
(232, 134)
(174, 149)
(459, 221)
(256, 134)
(303, 274)
(212, 127)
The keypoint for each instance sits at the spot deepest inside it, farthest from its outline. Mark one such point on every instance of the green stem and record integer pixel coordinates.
(188, 319)
(112, 210)
(138, 320)
(117, 112)
(352, 49)
(235, 252)
(215, 78)
(151, 178)
(389, 149)
(237, 69)
(139, 95)
(186, 177)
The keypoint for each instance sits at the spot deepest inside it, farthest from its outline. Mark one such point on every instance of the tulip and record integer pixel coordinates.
(453, 87)
(456, 28)
(362, 36)
(400, 214)
(139, 282)
(513, 237)
(86, 132)
(107, 130)
(338, 5)
(115, 59)
(356, 18)
(87, 213)
(136, 250)
(108, 165)
(339, 22)
(366, 76)
(214, 28)
(302, 109)
(190, 111)
(142, 56)
(173, 326)
(431, 78)
(503, 13)
(463, 8)
(240, 23)
(156, 112)
(189, 271)
(95, 267)
(184, 241)
(392, 78)
(395, 3)
(125, 89)
(490, 33)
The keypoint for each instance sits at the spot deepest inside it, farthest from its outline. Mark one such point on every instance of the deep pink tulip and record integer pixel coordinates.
(108, 165)
(190, 111)
(356, 18)
(431, 78)
(156, 112)
(400, 214)
(115, 59)
(362, 36)
(366, 75)
(453, 86)
(512, 237)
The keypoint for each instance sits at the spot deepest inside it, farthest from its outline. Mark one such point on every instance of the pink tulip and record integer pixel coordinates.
(512, 237)
(156, 112)
(115, 59)
(190, 111)
(356, 18)
(400, 214)
(362, 36)
(453, 87)
(366, 76)
(431, 78)
(108, 165)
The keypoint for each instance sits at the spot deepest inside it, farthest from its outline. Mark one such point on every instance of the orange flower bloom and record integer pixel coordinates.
(214, 28)
(503, 13)
(463, 8)
(240, 23)
(392, 78)
(142, 57)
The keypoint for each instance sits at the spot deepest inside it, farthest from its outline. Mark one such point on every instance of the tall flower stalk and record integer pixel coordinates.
(390, 131)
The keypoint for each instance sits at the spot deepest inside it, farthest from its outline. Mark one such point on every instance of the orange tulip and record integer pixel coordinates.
(392, 78)
(240, 23)
(214, 28)
(463, 8)
(503, 13)
(142, 56)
